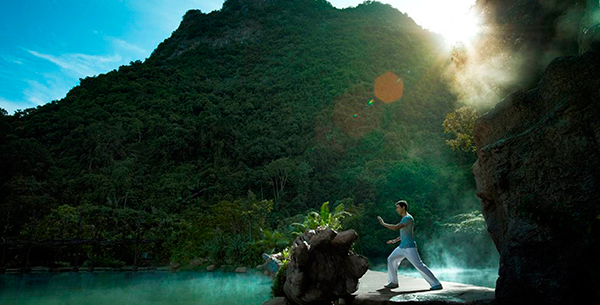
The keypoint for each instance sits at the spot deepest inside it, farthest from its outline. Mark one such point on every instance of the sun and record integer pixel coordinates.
(462, 29)
(455, 20)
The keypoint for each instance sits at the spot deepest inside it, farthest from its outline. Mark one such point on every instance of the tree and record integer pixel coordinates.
(279, 172)
(460, 123)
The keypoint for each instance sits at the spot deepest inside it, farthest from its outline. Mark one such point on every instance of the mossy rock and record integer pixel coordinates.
(279, 281)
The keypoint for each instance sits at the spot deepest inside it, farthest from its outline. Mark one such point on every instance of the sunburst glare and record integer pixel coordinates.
(462, 29)
(455, 20)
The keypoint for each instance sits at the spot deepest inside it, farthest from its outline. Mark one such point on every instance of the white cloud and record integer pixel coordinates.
(54, 88)
(81, 65)
(124, 45)
(12, 106)
(49, 86)
(12, 59)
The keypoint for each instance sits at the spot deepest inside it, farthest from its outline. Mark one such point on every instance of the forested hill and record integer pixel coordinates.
(271, 97)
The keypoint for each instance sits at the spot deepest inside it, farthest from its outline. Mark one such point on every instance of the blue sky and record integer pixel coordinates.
(46, 46)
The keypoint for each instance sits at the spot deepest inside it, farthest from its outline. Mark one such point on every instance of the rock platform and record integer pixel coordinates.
(414, 290)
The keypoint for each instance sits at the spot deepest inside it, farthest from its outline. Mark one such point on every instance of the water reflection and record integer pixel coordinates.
(134, 288)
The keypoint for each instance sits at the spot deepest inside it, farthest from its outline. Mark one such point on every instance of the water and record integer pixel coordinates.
(134, 288)
(174, 288)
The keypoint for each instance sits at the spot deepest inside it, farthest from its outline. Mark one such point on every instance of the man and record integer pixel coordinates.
(407, 249)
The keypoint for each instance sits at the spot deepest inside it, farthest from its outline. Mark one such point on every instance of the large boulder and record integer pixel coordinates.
(538, 177)
(322, 268)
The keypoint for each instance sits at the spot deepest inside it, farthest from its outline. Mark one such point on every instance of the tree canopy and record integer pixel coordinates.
(241, 120)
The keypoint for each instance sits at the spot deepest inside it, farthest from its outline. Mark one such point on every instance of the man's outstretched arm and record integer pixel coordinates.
(393, 241)
(395, 227)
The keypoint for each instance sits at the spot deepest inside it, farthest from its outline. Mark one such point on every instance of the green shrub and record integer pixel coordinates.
(217, 248)
(279, 281)
(325, 218)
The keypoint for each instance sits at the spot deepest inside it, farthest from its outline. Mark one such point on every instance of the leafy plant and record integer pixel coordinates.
(279, 281)
(322, 219)
(461, 123)
(273, 241)
(218, 247)
(286, 254)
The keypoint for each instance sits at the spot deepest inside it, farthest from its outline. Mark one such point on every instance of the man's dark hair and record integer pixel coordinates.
(403, 204)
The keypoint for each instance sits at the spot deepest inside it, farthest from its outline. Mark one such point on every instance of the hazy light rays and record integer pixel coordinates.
(479, 73)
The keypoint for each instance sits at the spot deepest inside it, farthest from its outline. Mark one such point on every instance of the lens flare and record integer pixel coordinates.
(356, 113)
(388, 87)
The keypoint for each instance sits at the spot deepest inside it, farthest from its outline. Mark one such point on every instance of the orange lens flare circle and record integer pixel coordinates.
(388, 87)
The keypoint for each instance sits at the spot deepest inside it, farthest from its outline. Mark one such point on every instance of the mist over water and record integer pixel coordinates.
(485, 277)
(134, 288)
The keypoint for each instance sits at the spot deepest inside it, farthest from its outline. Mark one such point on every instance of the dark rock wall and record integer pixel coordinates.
(538, 177)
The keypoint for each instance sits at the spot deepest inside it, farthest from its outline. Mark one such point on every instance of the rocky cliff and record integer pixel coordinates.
(538, 177)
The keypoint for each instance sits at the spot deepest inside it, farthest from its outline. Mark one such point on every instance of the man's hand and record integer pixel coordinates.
(389, 242)
(380, 220)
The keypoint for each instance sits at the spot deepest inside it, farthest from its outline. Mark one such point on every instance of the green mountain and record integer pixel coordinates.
(241, 119)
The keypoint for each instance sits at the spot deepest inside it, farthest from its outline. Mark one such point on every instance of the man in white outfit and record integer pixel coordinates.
(407, 249)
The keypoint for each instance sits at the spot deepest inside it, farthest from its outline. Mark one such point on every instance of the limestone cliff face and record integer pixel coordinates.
(538, 177)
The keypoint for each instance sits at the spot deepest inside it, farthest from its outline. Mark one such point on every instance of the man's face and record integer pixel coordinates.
(399, 209)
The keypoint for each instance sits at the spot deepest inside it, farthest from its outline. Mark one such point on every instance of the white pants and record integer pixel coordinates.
(413, 257)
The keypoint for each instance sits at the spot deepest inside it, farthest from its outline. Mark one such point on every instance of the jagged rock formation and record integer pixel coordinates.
(538, 176)
(322, 268)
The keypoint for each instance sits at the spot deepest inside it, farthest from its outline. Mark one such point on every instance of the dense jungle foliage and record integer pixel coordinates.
(238, 125)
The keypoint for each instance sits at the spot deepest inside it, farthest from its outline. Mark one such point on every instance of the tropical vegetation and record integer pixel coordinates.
(232, 130)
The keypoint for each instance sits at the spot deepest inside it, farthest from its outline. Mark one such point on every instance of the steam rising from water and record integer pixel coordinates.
(479, 74)
(484, 277)
(519, 38)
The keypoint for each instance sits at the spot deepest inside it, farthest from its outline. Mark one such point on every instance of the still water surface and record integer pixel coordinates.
(134, 288)
(112, 288)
